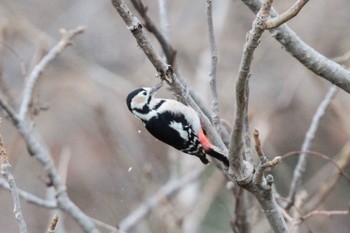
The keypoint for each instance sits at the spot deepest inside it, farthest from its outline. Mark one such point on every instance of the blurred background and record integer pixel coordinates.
(110, 161)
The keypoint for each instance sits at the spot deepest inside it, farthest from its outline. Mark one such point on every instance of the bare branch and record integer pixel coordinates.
(9, 111)
(305, 54)
(38, 149)
(241, 170)
(53, 224)
(214, 61)
(241, 222)
(30, 198)
(324, 213)
(322, 156)
(285, 16)
(166, 191)
(170, 53)
(258, 143)
(316, 198)
(300, 167)
(193, 220)
(39, 68)
(6, 171)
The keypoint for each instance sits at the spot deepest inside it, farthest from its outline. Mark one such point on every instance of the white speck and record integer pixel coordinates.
(130, 168)
(121, 200)
(139, 131)
(123, 189)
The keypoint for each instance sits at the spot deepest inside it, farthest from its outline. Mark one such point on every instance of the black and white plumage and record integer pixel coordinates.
(172, 123)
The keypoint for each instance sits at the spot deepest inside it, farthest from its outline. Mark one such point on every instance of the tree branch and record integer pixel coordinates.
(310, 134)
(242, 170)
(166, 191)
(244, 175)
(169, 52)
(286, 16)
(39, 68)
(305, 54)
(214, 60)
(6, 171)
(38, 149)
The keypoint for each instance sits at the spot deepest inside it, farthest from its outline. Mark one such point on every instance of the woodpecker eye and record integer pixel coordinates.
(144, 93)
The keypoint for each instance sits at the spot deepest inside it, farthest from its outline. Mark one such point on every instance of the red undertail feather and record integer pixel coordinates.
(210, 149)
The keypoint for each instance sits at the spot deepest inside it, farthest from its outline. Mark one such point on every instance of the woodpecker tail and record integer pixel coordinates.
(216, 153)
(212, 150)
(203, 159)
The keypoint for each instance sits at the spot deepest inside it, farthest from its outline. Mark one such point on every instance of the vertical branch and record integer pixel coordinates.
(309, 137)
(214, 61)
(241, 221)
(236, 146)
(164, 22)
(7, 173)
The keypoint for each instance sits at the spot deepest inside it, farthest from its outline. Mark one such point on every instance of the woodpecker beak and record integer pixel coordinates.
(156, 88)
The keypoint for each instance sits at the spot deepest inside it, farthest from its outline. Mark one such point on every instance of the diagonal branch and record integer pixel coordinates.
(39, 68)
(286, 16)
(305, 54)
(166, 191)
(169, 52)
(309, 137)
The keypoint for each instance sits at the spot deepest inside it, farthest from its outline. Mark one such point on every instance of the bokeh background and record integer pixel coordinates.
(112, 163)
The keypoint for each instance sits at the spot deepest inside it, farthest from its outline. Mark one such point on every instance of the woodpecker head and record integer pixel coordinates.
(139, 100)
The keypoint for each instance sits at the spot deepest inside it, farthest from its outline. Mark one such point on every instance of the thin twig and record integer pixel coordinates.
(9, 111)
(322, 156)
(316, 197)
(258, 149)
(53, 224)
(193, 220)
(285, 16)
(214, 61)
(324, 213)
(169, 52)
(166, 191)
(39, 68)
(6, 171)
(324, 67)
(309, 137)
(30, 198)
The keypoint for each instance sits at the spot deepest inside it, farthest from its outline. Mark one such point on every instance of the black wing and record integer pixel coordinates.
(160, 128)
(189, 143)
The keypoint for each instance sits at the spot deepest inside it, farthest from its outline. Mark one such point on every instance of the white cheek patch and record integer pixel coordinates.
(178, 127)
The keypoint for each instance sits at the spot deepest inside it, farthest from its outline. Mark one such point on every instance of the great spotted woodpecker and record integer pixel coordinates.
(172, 123)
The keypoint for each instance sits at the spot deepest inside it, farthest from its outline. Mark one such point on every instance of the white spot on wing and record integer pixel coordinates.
(178, 127)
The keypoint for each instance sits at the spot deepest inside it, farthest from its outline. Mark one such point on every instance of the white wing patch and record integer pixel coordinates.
(178, 127)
